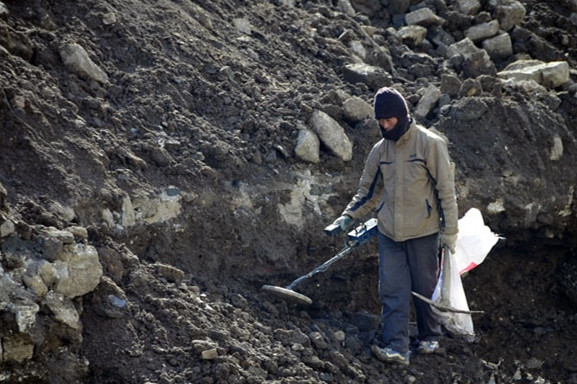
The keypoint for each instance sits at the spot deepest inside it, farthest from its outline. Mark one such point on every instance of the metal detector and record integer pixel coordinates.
(356, 237)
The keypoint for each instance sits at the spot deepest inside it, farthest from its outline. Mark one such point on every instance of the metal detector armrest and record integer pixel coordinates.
(364, 232)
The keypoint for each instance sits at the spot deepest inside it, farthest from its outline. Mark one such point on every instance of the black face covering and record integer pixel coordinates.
(398, 130)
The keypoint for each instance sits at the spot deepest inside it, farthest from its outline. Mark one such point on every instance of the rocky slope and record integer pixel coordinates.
(160, 162)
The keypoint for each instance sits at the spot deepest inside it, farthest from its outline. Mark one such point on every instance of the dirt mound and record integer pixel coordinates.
(163, 135)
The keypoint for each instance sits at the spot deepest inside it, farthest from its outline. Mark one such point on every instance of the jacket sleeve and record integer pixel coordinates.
(441, 169)
(370, 187)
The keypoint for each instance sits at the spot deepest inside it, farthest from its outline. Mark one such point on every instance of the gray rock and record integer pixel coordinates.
(469, 109)
(80, 273)
(308, 146)
(450, 85)
(470, 87)
(477, 64)
(427, 102)
(332, 134)
(413, 35)
(509, 14)
(424, 17)
(356, 109)
(4, 12)
(499, 47)
(77, 60)
(3, 197)
(469, 7)
(550, 75)
(483, 31)
(63, 310)
(17, 348)
(374, 77)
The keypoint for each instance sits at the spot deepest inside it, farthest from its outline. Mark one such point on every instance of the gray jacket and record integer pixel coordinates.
(411, 184)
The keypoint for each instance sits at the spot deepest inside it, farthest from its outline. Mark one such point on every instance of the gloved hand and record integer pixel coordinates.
(449, 241)
(344, 222)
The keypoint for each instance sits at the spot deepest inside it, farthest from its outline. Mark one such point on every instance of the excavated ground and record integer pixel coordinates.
(211, 111)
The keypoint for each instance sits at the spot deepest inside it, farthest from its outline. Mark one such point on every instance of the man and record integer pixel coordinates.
(408, 179)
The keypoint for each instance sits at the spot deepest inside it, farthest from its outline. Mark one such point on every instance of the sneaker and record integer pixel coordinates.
(427, 347)
(389, 355)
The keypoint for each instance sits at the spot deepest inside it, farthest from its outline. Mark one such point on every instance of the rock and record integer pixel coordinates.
(534, 46)
(4, 12)
(25, 310)
(308, 146)
(424, 17)
(358, 49)
(373, 77)
(109, 299)
(469, 109)
(112, 263)
(464, 47)
(482, 31)
(550, 75)
(427, 102)
(499, 47)
(491, 84)
(509, 14)
(367, 7)
(332, 135)
(3, 197)
(63, 310)
(469, 7)
(80, 233)
(209, 354)
(413, 35)
(318, 340)
(17, 348)
(291, 337)
(450, 85)
(477, 64)
(470, 87)
(556, 151)
(7, 227)
(165, 205)
(47, 273)
(346, 7)
(170, 273)
(356, 109)
(242, 25)
(77, 60)
(80, 271)
(476, 61)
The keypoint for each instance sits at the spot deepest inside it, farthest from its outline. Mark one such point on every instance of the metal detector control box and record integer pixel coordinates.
(364, 232)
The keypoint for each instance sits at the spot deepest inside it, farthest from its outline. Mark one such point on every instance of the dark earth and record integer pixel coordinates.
(196, 108)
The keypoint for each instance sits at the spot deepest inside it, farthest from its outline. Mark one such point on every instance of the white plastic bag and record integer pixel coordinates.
(474, 242)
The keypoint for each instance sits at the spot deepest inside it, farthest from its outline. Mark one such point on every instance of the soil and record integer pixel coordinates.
(193, 107)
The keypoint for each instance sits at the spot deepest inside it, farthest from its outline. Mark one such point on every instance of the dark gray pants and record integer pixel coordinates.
(411, 265)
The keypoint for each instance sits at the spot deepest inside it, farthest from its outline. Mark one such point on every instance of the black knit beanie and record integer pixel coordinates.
(390, 103)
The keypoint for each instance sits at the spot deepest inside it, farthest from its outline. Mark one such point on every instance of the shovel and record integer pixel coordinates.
(443, 304)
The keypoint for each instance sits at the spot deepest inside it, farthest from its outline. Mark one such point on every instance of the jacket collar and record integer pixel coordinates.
(407, 134)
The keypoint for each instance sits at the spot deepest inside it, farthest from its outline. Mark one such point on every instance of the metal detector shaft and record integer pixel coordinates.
(323, 267)
(356, 237)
